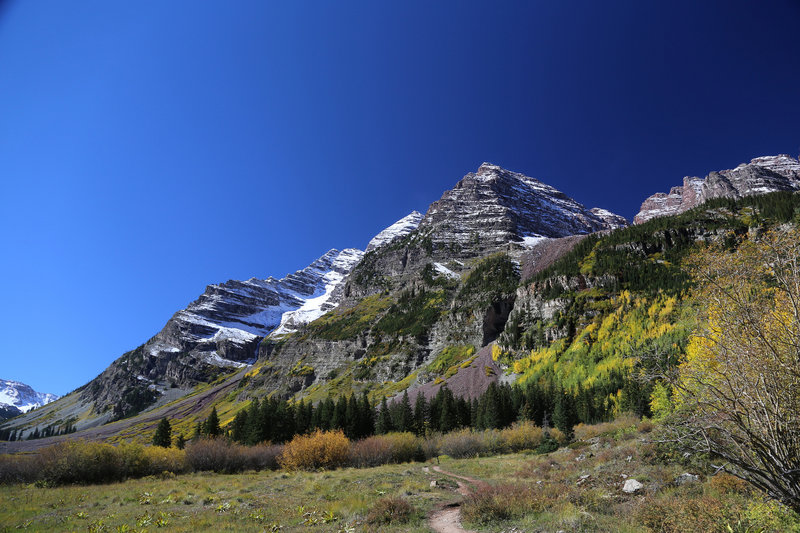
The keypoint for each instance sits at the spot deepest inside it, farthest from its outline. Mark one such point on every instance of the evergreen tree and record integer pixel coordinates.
(211, 427)
(366, 417)
(448, 413)
(180, 442)
(302, 418)
(384, 422)
(420, 414)
(163, 434)
(239, 427)
(253, 430)
(404, 415)
(351, 418)
(564, 416)
(490, 408)
(339, 414)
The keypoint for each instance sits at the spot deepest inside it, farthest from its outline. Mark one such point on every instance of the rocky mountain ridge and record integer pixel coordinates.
(761, 176)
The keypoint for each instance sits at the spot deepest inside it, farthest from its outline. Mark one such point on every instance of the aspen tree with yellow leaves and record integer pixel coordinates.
(737, 392)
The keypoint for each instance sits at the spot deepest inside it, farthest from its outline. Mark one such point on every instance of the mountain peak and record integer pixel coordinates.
(495, 206)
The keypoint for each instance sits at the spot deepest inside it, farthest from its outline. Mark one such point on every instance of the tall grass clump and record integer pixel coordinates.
(321, 449)
(490, 504)
(391, 510)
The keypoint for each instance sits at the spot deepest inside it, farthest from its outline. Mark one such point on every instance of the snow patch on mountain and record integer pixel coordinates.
(440, 268)
(324, 299)
(398, 230)
(22, 396)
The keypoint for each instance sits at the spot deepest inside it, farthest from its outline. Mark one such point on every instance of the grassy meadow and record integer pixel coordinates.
(575, 488)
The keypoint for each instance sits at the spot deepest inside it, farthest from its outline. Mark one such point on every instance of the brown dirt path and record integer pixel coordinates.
(447, 519)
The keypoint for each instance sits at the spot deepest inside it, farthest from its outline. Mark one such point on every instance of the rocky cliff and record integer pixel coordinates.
(762, 175)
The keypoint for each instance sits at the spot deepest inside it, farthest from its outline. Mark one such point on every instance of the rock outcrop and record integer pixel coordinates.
(762, 175)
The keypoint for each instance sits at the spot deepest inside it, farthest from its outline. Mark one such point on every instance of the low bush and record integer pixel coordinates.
(521, 436)
(463, 443)
(674, 513)
(725, 483)
(491, 504)
(221, 455)
(623, 423)
(329, 449)
(391, 510)
(372, 451)
(90, 462)
(405, 447)
(18, 468)
(385, 449)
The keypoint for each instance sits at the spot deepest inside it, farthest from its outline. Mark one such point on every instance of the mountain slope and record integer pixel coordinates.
(762, 175)
(426, 285)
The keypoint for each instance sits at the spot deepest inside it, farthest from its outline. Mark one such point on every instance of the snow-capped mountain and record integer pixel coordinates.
(762, 175)
(494, 206)
(398, 230)
(22, 397)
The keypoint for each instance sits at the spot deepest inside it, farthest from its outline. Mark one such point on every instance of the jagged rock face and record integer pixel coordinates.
(222, 329)
(225, 324)
(762, 175)
(494, 206)
(22, 397)
(396, 231)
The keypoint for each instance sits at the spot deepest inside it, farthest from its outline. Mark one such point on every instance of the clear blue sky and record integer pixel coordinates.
(150, 148)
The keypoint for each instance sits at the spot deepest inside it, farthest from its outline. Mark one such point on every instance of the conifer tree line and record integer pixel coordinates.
(273, 420)
(7, 434)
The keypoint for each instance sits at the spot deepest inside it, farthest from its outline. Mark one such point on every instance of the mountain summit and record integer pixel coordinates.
(495, 206)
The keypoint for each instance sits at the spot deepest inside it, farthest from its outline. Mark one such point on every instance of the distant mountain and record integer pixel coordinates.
(762, 175)
(17, 398)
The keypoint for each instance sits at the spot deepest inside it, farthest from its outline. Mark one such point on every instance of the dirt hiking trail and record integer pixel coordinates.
(447, 519)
